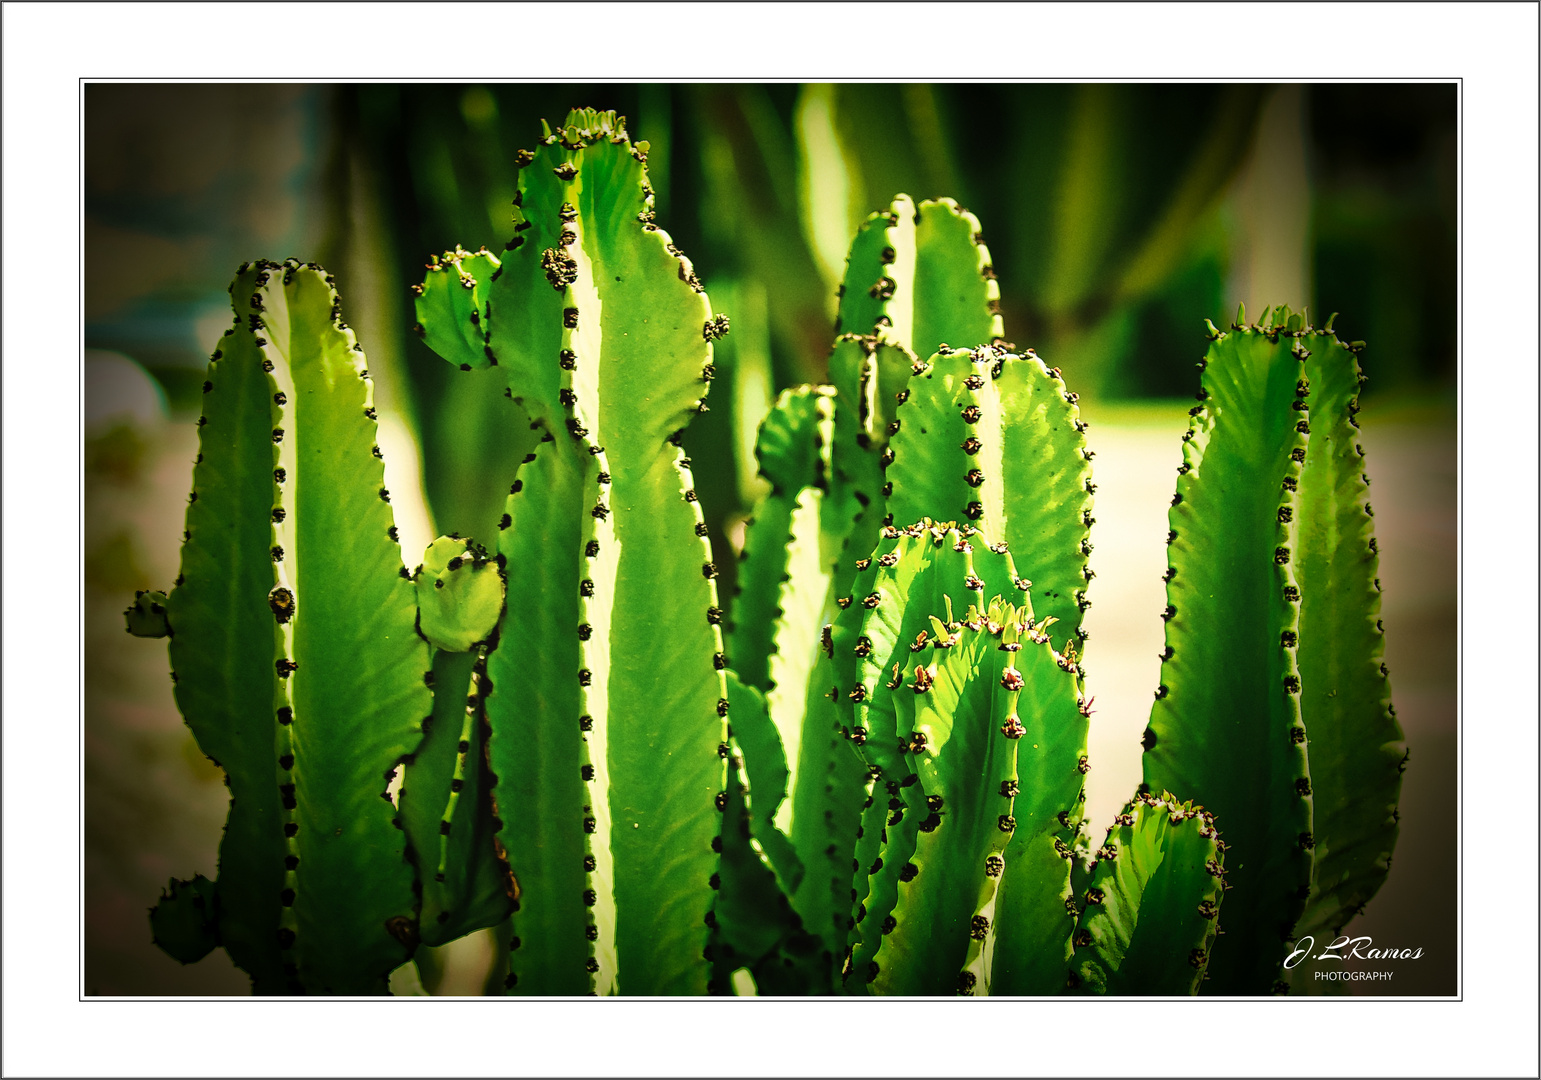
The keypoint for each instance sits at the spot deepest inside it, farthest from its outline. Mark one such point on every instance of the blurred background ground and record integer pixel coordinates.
(1118, 218)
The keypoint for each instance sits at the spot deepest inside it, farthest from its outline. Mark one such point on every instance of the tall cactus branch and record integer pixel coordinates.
(605, 335)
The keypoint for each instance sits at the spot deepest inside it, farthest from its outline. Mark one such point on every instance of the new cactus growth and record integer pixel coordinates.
(876, 786)
(146, 616)
(1151, 906)
(459, 594)
(957, 702)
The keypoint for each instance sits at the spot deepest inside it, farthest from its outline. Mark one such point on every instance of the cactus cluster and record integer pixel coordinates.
(865, 777)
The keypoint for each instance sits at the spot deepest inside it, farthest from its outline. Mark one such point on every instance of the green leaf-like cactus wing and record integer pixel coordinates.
(1047, 491)
(995, 439)
(765, 767)
(222, 649)
(605, 336)
(755, 923)
(925, 590)
(955, 709)
(829, 786)
(957, 299)
(1355, 743)
(879, 280)
(1150, 911)
(454, 309)
(294, 649)
(357, 689)
(539, 750)
(445, 809)
(1034, 905)
(920, 278)
(794, 448)
(1226, 726)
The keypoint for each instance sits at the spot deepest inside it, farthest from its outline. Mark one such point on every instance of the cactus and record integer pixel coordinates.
(897, 804)
(608, 700)
(1354, 742)
(293, 647)
(459, 594)
(186, 921)
(146, 616)
(955, 701)
(1272, 562)
(1152, 902)
(446, 809)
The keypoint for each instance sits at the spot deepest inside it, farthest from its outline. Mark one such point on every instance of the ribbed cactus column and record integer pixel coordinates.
(1355, 744)
(296, 660)
(916, 276)
(995, 439)
(970, 725)
(444, 801)
(1150, 909)
(608, 701)
(1226, 726)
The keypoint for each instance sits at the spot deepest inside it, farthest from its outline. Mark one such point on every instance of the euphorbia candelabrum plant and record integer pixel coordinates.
(881, 791)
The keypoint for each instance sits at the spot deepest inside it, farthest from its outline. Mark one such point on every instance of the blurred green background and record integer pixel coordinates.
(1118, 217)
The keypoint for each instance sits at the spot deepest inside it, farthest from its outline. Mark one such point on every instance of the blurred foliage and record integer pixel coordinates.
(1110, 211)
(1384, 244)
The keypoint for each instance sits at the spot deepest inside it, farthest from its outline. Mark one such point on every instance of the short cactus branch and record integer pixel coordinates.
(1150, 912)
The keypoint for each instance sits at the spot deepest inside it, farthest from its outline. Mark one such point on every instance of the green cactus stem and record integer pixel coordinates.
(920, 277)
(1034, 915)
(829, 786)
(756, 926)
(914, 575)
(293, 646)
(607, 706)
(941, 678)
(997, 440)
(1226, 725)
(445, 808)
(794, 449)
(968, 770)
(1355, 744)
(915, 277)
(1150, 911)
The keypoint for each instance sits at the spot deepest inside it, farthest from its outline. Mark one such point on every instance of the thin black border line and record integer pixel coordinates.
(685, 81)
(1460, 540)
(1459, 82)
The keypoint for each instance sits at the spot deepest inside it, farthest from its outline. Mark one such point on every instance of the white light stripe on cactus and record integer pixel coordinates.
(596, 610)
(797, 639)
(901, 308)
(275, 320)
